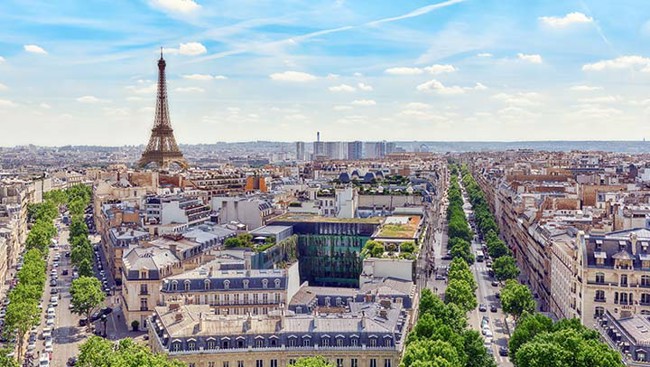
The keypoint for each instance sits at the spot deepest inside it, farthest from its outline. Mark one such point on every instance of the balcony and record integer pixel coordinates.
(143, 292)
(600, 300)
(144, 308)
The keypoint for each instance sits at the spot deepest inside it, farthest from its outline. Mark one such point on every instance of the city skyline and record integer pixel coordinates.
(457, 70)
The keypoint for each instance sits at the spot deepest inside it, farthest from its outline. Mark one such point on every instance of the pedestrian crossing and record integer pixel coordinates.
(481, 267)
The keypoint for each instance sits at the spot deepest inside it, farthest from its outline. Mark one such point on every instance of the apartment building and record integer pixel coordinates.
(164, 210)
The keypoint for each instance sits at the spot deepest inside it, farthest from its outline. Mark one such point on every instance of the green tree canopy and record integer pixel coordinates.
(517, 299)
(317, 361)
(100, 352)
(505, 267)
(461, 294)
(86, 295)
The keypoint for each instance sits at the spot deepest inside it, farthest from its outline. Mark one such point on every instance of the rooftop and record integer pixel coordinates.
(312, 218)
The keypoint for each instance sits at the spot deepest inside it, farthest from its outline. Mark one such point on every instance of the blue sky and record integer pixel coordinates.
(83, 72)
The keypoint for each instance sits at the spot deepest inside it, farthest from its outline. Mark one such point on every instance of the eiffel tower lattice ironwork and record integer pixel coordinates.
(162, 148)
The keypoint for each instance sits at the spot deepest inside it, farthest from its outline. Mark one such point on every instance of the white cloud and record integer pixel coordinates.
(439, 69)
(220, 77)
(192, 49)
(293, 76)
(332, 76)
(403, 71)
(365, 87)
(567, 20)
(198, 76)
(2, 59)
(602, 99)
(438, 87)
(364, 102)
(519, 99)
(341, 108)
(6, 103)
(3, 87)
(484, 54)
(45, 106)
(417, 106)
(584, 88)
(342, 88)
(180, 6)
(151, 89)
(620, 63)
(189, 89)
(35, 49)
(533, 58)
(357, 74)
(90, 100)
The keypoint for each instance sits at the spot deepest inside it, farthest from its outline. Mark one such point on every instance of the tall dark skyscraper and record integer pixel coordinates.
(355, 150)
(300, 151)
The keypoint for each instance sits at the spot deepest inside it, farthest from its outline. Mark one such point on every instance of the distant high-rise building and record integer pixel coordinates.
(390, 148)
(355, 150)
(300, 151)
(319, 146)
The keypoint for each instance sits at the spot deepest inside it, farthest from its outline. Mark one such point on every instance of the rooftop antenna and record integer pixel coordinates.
(161, 52)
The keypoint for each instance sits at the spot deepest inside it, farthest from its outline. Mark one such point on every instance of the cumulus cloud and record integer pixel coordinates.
(439, 69)
(342, 88)
(220, 77)
(6, 103)
(35, 49)
(365, 87)
(2, 59)
(198, 76)
(150, 89)
(602, 99)
(631, 62)
(567, 20)
(436, 86)
(364, 102)
(3, 87)
(584, 88)
(90, 100)
(293, 76)
(484, 54)
(433, 69)
(403, 71)
(519, 99)
(533, 58)
(189, 89)
(176, 6)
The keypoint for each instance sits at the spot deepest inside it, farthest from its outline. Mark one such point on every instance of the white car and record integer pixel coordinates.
(44, 361)
(51, 310)
(54, 300)
(487, 333)
(49, 345)
(49, 322)
(47, 333)
(31, 346)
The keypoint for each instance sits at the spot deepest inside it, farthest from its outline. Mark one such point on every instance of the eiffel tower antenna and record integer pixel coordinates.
(162, 148)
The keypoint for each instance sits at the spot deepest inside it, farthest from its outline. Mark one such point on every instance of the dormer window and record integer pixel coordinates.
(245, 283)
(226, 284)
(277, 283)
(174, 285)
(206, 284)
(143, 274)
(265, 283)
(187, 285)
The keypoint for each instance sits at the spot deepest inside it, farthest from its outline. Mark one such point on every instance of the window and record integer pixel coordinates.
(143, 274)
(292, 361)
(600, 295)
(144, 289)
(192, 365)
(187, 285)
(306, 342)
(245, 283)
(225, 344)
(226, 364)
(327, 301)
(265, 298)
(206, 284)
(274, 342)
(354, 341)
(265, 283)
(255, 298)
(174, 285)
(240, 363)
(277, 283)
(259, 363)
(325, 341)
(373, 362)
(274, 363)
(338, 301)
(276, 298)
(298, 309)
(645, 298)
(211, 344)
(240, 343)
(354, 362)
(143, 304)
(339, 342)
(373, 342)
(191, 345)
(623, 280)
(176, 346)
(600, 278)
(339, 362)
(387, 362)
(387, 342)
(245, 298)
(237, 299)
(259, 343)
(599, 311)
(292, 342)
(211, 364)
(645, 280)
(226, 284)
(623, 298)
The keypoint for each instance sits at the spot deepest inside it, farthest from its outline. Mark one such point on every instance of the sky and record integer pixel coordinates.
(84, 72)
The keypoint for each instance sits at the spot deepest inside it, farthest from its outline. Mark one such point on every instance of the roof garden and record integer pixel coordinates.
(403, 227)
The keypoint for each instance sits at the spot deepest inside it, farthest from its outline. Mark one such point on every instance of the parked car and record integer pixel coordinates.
(83, 321)
(503, 351)
(482, 308)
(493, 308)
(497, 295)
(71, 361)
(53, 283)
(44, 361)
(495, 283)
(64, 272)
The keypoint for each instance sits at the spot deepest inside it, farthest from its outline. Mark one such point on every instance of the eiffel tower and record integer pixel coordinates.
(162, 148)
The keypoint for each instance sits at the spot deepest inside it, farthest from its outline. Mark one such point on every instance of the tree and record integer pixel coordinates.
(497, 249)
(430, 353)
(135, 324)
(80, 253)
(517, 299)
(57, 197)
(529, 326)
(78, 227)
(22, 315)
(5, 360)
(407, 247)
(505, 268)
(85, 268)
(100, 352)
(463, 251)
(477, 355)
(461, 294)
(317, 361)
(462, 273)
(86, 295)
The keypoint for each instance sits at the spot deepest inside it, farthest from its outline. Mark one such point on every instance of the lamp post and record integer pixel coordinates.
(104, 319)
